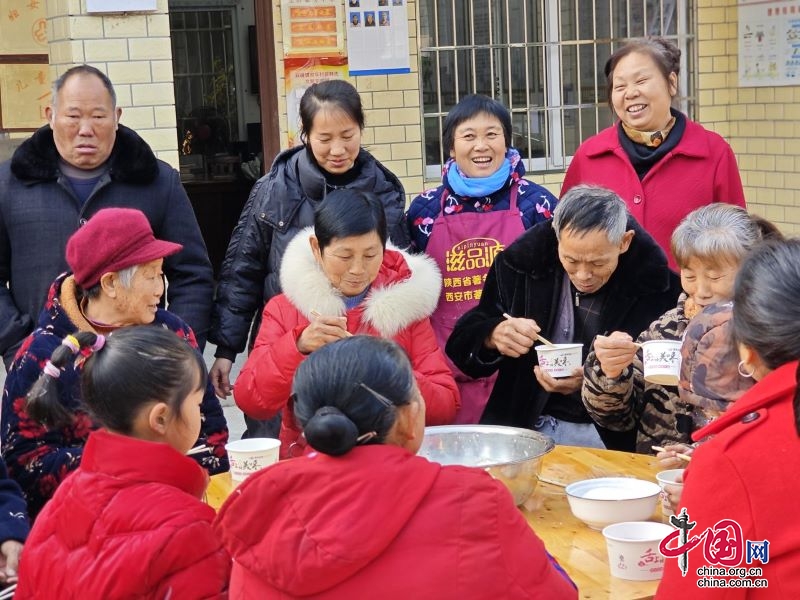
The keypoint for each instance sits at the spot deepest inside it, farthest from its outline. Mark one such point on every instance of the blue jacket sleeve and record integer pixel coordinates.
(13, 510)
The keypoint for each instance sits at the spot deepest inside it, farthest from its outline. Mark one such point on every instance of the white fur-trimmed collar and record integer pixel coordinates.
(390, 306)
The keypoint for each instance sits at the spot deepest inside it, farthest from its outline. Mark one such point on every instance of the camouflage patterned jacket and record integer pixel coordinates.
(710, 380)
(629, 401)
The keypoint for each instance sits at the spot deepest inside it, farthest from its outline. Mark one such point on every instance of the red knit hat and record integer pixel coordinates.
(112, 240)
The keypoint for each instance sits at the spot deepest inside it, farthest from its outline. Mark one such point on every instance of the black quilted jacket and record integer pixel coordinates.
(280, 204)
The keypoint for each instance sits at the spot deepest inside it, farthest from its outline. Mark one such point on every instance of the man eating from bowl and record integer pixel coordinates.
(592, 269)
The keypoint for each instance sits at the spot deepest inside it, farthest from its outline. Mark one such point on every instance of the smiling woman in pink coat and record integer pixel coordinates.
(362, 515)
(660, 163)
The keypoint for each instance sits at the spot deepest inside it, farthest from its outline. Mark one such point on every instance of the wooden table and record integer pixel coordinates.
(580, 550)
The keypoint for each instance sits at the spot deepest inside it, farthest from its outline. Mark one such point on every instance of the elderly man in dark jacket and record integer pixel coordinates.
(82, 161)
(592, 270)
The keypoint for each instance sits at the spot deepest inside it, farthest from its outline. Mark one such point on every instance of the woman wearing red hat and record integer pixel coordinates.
(115, 280)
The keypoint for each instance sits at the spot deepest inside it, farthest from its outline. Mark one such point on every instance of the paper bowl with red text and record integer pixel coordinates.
(560, 360)
(250, 455)
(633, 549)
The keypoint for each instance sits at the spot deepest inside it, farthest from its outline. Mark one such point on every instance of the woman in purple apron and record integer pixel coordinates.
(481, 207)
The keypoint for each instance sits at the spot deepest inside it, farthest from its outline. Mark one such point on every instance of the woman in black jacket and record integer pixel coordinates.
(283, 202)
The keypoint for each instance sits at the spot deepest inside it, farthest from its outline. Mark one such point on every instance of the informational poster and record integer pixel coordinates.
(23, 27)
(312, 28)
(24, 94)
(299, 74)
(769, 43)
(377, 36)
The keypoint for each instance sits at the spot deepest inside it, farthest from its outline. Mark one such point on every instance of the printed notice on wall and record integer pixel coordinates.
(23, 27)
(24, 95)
(312, 28)
(377, 36)
(299, 74)
(769, 43)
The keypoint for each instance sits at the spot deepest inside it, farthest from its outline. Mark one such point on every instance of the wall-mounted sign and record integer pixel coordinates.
(23, 27)
(24, 94)
(299, 74)
(769, 42)
(377, 37)
(118, 6)
(312, 28)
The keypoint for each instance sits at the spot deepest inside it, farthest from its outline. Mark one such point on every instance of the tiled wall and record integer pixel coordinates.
(761, 124)
(134, 50)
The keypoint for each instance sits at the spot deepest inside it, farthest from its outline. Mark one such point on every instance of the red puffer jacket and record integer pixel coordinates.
(380, 522)
(404, 294)
(128, 523)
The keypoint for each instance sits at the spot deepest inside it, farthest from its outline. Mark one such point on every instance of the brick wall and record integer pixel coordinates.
(761, 124)
(134, 50)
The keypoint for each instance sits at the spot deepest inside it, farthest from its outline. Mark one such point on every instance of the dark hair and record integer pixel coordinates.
(84, 70)
(136, 365)
(468, 107)
(349, 389)
(665, 54)
(335, 92)
(765, 308)
(586, 208)
(347, 212)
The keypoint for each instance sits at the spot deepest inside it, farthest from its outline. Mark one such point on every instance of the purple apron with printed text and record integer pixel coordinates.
(464, 246)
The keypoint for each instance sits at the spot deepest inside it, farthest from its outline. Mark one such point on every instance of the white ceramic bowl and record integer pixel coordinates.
(606, 500)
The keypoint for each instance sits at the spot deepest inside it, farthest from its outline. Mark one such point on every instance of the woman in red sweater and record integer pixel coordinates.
(129, 522)
(339, 279)
(363, 516)
(662, 164)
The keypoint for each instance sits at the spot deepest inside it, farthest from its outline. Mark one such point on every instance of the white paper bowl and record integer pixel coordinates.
(250, 455)
(560, 360)
(662, 361)
(633, 549)
(606, 500)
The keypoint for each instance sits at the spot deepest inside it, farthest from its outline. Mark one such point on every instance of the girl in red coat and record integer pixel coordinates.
(747, 470)
(129, 522)
(363, 516)
(339, 279)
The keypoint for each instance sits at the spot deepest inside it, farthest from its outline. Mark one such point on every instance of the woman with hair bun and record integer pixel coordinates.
(662, 164)
(339, 278)
(745, 472)
(363, 516)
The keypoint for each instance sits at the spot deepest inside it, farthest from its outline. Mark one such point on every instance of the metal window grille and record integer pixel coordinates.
(543, 59)
(204, 77)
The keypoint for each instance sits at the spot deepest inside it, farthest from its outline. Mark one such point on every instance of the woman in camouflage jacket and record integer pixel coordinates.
(709, 245)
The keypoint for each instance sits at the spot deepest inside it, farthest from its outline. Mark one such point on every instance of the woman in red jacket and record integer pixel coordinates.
(339, 279)
(662, 164)
(746, 472)
(129, 522)
(363, 516)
